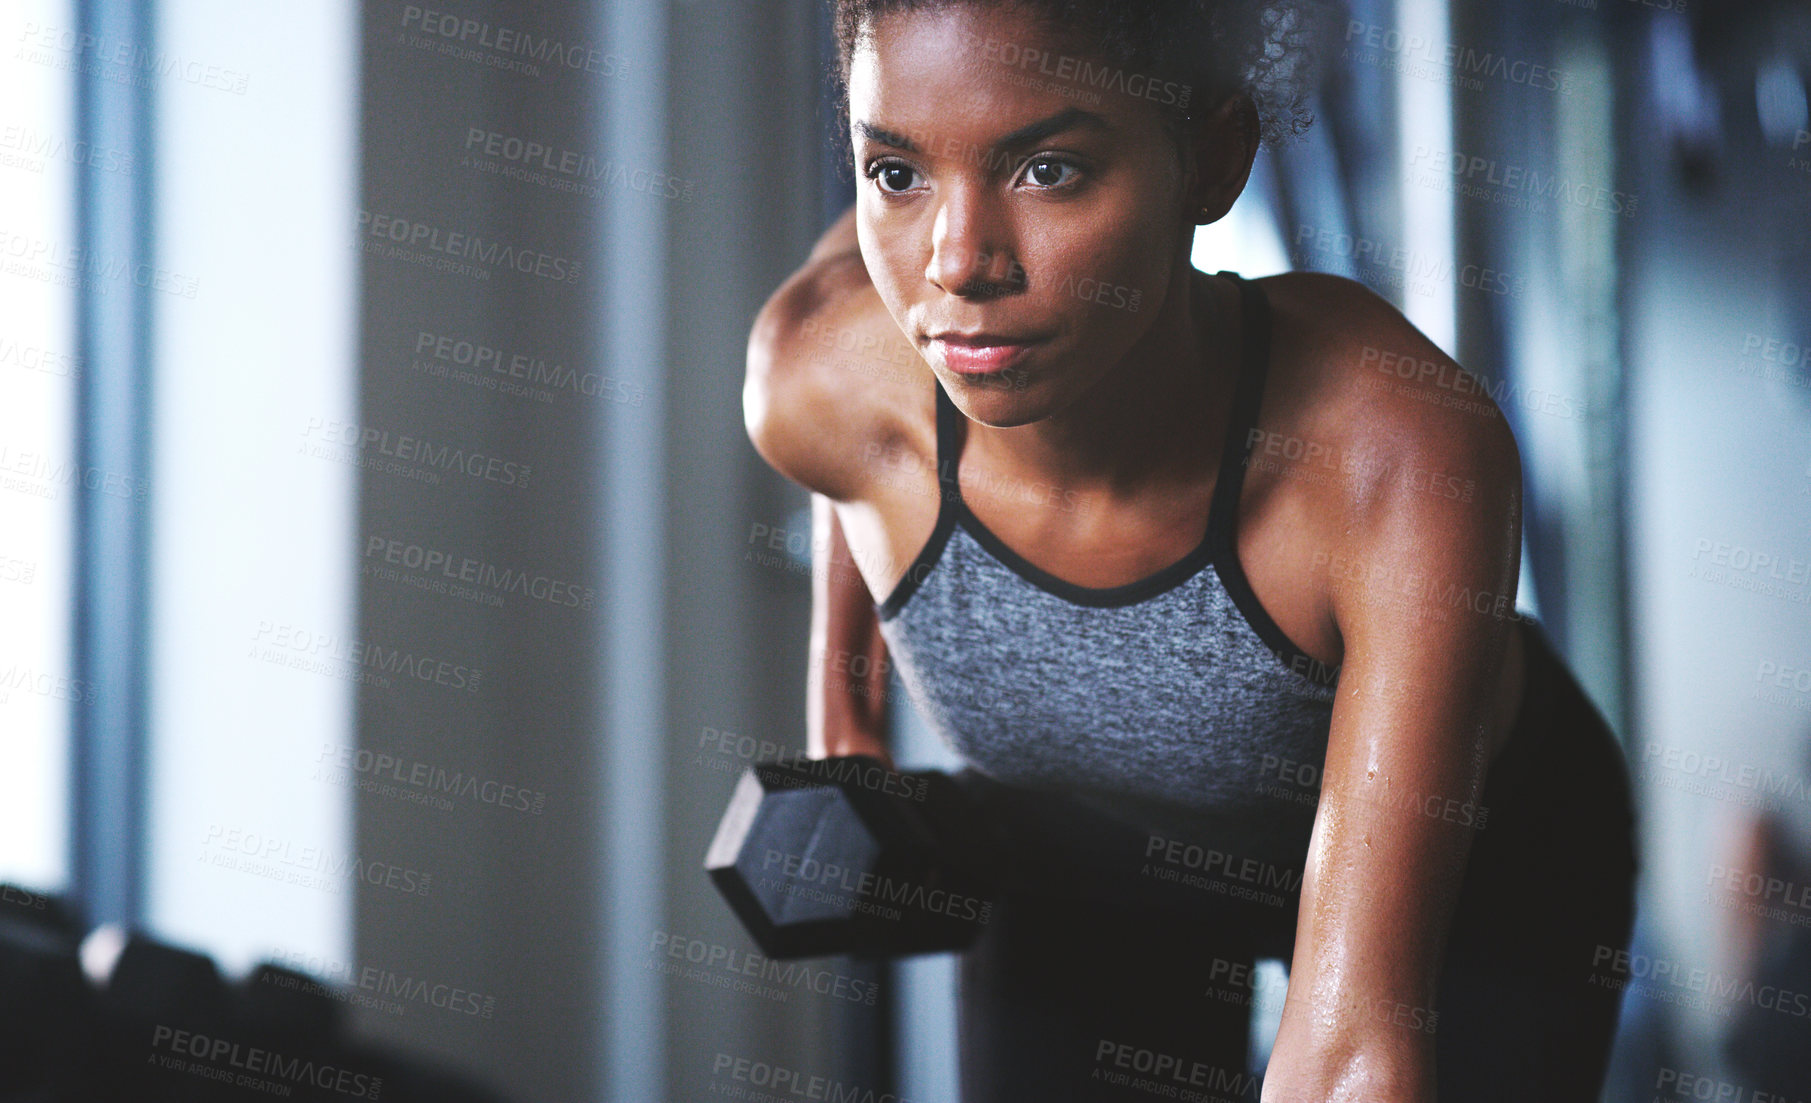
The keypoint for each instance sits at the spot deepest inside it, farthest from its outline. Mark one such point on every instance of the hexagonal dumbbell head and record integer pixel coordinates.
(815, 857)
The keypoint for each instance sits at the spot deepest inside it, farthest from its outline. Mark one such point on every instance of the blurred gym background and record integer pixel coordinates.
(391, 595)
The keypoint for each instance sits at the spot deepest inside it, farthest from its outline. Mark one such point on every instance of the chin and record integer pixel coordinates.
(998, 406)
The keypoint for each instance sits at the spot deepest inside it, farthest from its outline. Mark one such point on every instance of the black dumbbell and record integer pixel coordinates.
(279, 1002)
(44, 1005)
(148, 997)
(842, 855)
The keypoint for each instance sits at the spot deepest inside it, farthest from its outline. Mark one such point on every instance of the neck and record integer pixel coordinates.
(1147, 420)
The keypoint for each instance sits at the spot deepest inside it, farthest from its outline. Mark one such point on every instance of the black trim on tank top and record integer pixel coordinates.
(1224, 522)
(950, 491)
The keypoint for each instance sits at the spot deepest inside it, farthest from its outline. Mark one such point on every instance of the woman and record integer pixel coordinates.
(1020, 408)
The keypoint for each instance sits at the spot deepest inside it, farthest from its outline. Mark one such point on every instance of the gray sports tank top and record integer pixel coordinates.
(1174, 703)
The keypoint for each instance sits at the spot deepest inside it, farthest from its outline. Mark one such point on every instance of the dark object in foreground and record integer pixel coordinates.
(111, 1014)
(841, 855)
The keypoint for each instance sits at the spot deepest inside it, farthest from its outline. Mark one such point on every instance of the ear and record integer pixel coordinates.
(1225, 143)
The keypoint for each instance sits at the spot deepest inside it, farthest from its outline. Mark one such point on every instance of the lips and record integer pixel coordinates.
(980, 353)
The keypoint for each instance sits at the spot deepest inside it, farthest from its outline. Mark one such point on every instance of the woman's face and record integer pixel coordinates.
(1021, 216)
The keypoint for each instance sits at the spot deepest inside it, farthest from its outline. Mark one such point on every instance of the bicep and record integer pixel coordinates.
(1407, 756)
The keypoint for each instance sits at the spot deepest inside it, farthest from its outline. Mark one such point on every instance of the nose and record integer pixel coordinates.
(971, 250)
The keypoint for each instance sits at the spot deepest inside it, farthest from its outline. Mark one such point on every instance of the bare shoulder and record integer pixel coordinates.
(831, 381)
(1404, 422)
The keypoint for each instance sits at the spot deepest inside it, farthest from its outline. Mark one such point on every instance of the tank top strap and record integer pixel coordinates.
(949, 506)
(1248, 394)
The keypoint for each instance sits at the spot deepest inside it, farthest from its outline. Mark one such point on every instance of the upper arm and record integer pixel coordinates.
(1426, 556)
(1425, 595)
(1436, 543)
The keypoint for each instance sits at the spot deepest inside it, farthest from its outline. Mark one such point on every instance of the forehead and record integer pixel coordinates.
(974, 70)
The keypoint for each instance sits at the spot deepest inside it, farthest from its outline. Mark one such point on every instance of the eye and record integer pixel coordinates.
(1051, 172)
(893, 177)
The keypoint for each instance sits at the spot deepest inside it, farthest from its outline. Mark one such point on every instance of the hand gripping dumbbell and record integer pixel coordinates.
(842, 855)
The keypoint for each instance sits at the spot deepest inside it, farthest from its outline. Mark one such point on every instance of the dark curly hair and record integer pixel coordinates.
(1264, 49)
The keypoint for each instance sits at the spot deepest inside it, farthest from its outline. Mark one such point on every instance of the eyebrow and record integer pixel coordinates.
(1066, 119)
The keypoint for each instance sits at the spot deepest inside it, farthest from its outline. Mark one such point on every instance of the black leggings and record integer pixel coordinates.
(1092, 983)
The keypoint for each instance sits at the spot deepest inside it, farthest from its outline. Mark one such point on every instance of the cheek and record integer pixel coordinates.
(889, 262)
(1120, 239)
(899, 287)
(1109, 284)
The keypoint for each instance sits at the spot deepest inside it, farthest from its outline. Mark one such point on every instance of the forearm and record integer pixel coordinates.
(1351, 1032)
(1319, 1057)
(1355, 1078)
(1379, 889)
(1360, 1019)
(846, 683)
